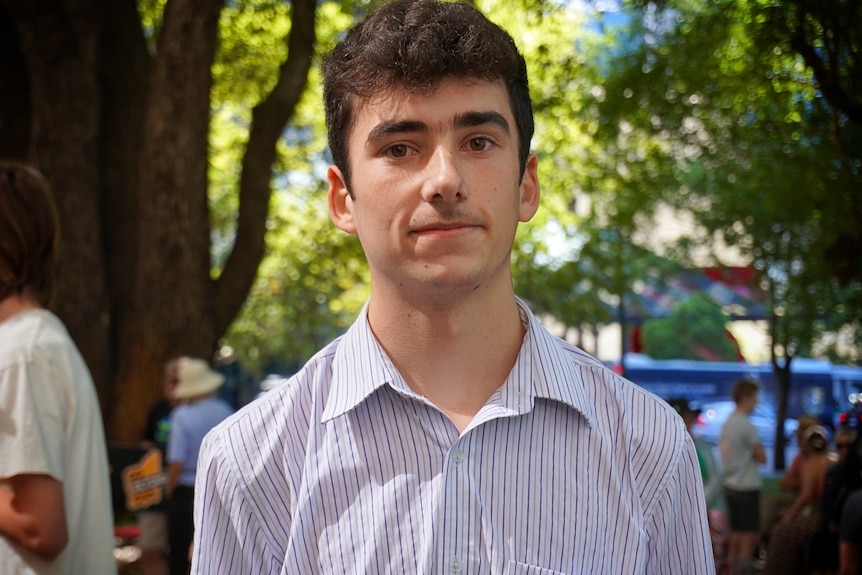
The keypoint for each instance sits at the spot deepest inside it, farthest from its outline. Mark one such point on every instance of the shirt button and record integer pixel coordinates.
(456, 565)
(458, 456)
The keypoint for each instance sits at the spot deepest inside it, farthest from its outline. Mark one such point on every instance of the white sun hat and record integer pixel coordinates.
(195, 377)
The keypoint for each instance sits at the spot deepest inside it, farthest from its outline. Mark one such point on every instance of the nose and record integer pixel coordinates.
(443, 181)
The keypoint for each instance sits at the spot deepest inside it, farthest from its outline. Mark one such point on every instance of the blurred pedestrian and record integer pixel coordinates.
(741, 453)
(788, 541)
(447, 431)
(712, 489)
(792, 479)
(199, 411)
(774, 506)
(849, 506)
(824, 551)
(269, 383)
(153, 521)
(55, 491)
(850, 542)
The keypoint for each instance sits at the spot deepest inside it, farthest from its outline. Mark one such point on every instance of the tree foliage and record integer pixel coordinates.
(565, 263)
(743, 137)
(117, 99)
(697, 329)
(311, 279)
(185, 142)
(745, 115)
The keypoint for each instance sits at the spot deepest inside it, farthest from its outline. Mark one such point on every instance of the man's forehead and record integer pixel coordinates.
(401, 98)
(459, 100)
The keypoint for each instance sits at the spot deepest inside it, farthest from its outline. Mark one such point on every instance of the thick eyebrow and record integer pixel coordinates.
(473, 119)
(385, 129)
(467, 120)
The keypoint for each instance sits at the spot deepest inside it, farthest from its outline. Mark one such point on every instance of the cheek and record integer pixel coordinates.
(375, 215)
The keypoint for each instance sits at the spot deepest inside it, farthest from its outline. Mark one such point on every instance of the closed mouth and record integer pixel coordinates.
(442, 226)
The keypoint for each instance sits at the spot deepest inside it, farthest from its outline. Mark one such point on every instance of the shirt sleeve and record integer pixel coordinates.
(751, 435)
(228, 535)
(32, 418)
(678, 528)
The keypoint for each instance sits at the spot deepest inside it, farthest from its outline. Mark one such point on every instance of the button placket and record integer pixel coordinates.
(457, 523)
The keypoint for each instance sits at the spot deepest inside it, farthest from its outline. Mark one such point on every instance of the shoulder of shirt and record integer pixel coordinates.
(640, 428)
(309, 384)
(605, 389)
(32, 334)
(275, 427)
(620, 404)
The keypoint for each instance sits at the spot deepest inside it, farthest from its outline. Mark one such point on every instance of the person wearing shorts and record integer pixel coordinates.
(744, 509)
(741, 453)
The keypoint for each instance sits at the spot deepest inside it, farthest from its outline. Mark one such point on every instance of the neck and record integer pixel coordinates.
(14, 304)
(456, 354)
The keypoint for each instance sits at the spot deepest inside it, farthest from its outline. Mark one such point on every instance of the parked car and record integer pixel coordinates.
(714, 414)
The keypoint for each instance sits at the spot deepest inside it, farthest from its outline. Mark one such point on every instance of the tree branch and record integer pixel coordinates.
(837, 46)
(268, 121)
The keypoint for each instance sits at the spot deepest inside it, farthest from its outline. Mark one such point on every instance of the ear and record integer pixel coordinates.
(529, 190)
(340, 202)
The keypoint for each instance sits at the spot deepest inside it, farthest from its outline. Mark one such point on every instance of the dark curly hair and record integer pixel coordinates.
(413, 45)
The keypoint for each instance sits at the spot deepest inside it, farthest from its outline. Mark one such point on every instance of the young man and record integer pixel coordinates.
(741, 453)
(55, 492)
(446, 431)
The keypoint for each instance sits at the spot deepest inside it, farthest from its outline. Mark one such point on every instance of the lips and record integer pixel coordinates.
(443, 222)
(442, 226)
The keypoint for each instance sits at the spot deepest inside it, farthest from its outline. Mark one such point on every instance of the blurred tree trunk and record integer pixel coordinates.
(121, 132)
(781, 371)
(170, 310)
(783, 377)
(60, 42)
(14, 102)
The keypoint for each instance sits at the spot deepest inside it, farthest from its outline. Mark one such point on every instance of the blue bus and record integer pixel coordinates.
(848, 383)
(815, 390)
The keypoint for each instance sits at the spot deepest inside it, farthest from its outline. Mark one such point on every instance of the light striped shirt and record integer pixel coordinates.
(567, 468)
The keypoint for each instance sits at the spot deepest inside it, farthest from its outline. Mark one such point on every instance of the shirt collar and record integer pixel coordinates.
(544, 369)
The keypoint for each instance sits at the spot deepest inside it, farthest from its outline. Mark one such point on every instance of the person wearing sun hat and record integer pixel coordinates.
(200, 410)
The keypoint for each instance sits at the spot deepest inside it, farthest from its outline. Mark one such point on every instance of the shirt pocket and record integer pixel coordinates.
(515, 568)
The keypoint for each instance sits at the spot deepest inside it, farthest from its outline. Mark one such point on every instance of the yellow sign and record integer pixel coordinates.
(144, 482)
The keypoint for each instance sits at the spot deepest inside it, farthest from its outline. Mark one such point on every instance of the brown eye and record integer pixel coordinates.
(478, 144)
(398, 151)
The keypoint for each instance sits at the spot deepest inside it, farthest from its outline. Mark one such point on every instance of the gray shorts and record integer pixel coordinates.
(743, 507)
